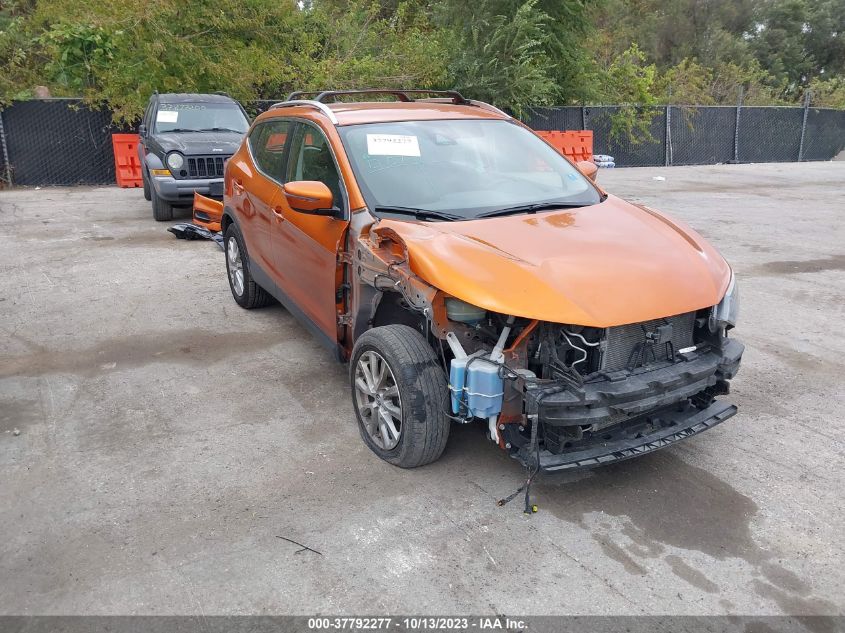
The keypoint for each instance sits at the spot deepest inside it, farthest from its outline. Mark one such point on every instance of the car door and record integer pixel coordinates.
(306, 245)
(256, 189)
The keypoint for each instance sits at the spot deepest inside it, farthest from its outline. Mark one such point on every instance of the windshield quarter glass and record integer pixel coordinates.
(199, 116)
(465, 168)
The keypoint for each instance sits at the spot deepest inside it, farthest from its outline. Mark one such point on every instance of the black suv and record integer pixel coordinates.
(185, 142)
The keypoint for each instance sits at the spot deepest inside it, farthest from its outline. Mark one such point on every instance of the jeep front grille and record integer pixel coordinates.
(206, 166)
(643, 343)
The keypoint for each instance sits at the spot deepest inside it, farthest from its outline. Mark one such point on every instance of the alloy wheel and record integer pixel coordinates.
(377, 399)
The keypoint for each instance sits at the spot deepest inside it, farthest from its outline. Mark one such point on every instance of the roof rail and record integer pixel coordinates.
(322, 107)
(400, 94)
(486, 106)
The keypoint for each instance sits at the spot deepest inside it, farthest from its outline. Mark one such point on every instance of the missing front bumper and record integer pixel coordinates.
(639, 436)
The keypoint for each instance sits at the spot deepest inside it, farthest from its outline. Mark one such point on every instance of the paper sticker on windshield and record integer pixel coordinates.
(392, 145)
(167, 116)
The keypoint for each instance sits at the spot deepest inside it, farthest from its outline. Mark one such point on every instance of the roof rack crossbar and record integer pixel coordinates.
(322, 107)
(401, 94)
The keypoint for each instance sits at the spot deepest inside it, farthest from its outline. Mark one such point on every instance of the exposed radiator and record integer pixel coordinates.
(628, 344)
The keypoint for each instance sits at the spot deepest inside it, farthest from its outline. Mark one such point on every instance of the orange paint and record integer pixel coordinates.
(608, 264)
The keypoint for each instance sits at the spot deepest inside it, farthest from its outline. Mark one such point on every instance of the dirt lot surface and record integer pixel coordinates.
(168, 439)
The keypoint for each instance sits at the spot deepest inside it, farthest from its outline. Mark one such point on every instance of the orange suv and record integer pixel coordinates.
(469, 272)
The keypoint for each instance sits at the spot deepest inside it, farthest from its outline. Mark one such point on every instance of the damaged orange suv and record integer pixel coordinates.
(468, 272)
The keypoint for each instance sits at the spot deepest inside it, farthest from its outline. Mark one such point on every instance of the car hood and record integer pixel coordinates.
(200, 143)
(607, 264)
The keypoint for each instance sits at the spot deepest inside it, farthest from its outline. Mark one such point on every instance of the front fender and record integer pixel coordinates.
(153, 161)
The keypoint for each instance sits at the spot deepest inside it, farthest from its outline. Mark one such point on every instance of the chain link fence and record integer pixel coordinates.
(63, 142)
(706, 135)
(57, 142)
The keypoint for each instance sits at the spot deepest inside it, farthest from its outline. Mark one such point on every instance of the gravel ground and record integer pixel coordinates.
(168, 439)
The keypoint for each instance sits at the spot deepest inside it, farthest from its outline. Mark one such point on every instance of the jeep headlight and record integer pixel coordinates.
(725, 314)
(175, 160)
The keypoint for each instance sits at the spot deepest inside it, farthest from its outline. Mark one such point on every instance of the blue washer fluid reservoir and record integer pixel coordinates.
(457, 381)
(484, 388)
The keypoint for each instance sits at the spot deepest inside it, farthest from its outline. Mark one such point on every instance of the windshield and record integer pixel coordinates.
(200, 117)
(466, 168)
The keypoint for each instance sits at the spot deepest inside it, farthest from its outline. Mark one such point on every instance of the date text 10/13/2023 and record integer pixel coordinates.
(419, 623)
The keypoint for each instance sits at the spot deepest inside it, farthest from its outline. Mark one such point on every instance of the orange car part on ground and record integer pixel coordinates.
(207, 212)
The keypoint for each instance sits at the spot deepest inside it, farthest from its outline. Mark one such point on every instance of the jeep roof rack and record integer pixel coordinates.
(401, 94)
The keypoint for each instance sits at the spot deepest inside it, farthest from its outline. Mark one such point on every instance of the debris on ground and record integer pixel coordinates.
(185, 231)
(304, 547)
(603, 160)
(16, 432)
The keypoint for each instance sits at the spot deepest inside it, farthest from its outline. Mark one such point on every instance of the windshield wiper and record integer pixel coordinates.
(179, 129)
(219, 129)
(530, 208)
(419, 214)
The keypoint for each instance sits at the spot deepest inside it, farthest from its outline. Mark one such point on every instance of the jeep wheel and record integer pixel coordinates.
(245, 291)
(146, 181)
(400, 396)
(162, 209)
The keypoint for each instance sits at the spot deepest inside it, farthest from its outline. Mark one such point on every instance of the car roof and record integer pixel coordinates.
(191, 97)
(389, 111)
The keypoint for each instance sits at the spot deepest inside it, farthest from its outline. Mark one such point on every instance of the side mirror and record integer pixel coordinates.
(142, 130)
(588, 168)
(309, 196)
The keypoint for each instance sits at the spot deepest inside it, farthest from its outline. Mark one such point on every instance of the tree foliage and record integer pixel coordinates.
(514, 53)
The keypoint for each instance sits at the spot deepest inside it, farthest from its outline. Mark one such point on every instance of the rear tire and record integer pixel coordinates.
(162, 209)
(396, 377)
(245, 291)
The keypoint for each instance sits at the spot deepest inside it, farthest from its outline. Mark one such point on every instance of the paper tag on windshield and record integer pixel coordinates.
(167, 116)
(392, 145)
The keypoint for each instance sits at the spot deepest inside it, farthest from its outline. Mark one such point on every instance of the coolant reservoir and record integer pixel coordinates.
(463, 312)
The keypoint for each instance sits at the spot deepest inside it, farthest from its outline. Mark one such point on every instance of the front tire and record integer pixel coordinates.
(400, 396)
(245, 291)
(145, 179)
(162, 209)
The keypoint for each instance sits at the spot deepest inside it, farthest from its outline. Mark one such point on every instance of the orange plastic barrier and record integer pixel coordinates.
(575, 145)
(127, 166)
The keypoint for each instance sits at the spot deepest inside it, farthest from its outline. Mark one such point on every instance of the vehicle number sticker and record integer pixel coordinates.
(167, 116)
(392, 145)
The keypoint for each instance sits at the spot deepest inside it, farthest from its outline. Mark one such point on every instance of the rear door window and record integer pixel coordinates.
(268, 143)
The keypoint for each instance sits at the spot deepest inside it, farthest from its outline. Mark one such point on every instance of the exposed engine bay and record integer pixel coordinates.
(556, 396)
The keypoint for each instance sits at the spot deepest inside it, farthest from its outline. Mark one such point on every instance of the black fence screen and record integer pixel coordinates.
(59, 142)
(769, 135)
(63, 142)
(701, 136)
(705, 135)
(823, 135)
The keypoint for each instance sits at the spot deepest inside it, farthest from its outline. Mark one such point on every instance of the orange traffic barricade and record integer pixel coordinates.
(574, 145)
(127, 165)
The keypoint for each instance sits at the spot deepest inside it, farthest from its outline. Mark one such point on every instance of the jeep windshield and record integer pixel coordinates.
(200, 117)
(460, 170)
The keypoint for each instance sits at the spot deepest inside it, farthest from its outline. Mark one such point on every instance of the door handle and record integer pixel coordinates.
(279, 213)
